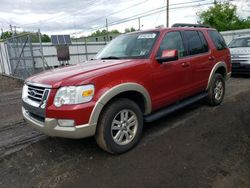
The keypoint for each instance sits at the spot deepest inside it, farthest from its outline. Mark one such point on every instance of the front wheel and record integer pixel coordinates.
(216, 90)
(120, 126)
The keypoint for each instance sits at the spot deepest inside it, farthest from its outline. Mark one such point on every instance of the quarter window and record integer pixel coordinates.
(218, 40)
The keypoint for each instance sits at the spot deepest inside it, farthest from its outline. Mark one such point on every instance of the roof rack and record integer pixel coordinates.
(190, 25)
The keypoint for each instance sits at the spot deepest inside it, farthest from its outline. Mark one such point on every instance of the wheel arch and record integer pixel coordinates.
(121, 90)
(219, 67)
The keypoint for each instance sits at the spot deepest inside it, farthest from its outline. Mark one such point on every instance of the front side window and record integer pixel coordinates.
(240, 42)
(172, 41)
(134, 45)
(218, 40)
(194, 42)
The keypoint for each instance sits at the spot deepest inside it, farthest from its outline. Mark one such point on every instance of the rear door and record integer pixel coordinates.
(200, 60)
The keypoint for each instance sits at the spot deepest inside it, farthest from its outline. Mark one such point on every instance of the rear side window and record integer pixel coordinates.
(195, 43)
(218, 40)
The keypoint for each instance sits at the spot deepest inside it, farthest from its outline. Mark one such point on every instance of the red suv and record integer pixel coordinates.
(138, 77)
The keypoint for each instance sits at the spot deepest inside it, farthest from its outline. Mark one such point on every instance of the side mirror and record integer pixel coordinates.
(168, 55)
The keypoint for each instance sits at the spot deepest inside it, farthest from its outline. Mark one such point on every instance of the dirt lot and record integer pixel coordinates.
(199, 146)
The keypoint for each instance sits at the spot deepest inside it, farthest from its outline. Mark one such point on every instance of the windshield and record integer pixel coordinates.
(129, 46)
(241, 42)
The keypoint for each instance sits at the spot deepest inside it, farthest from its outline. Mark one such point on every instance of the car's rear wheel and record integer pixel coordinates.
(216, 90)
(120, 126)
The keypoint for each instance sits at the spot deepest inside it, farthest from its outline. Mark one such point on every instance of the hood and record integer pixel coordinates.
(240, 51)
(65, 76)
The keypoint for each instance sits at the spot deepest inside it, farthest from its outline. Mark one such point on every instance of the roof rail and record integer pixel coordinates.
(190, 25)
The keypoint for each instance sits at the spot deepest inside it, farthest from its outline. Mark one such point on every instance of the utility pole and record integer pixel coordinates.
(139, 21)
(215, 2)
(167, 13)
(107, 29)
(15, 30)
(11, 30)
(1, 31)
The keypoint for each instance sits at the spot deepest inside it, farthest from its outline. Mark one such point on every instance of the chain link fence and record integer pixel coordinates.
(21, 58)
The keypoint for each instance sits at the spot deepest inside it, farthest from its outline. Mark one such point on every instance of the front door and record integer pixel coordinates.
(171, 80)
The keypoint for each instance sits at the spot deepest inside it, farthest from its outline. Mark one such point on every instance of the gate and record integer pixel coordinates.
(20, 50)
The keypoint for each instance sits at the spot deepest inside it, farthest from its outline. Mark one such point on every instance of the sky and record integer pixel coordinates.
(82, 17)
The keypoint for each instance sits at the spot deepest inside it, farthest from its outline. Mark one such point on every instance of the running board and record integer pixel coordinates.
(172, 108)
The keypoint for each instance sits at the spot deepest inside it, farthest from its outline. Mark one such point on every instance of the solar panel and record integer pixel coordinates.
(54, 39)
(67, 39)
(60, 39)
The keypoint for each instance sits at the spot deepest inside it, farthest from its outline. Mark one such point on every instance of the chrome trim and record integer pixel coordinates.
(38, 85)
(50, 127)
(108, 95)
(229, 74)
(43, 100)
(216, 66)
(30, 102)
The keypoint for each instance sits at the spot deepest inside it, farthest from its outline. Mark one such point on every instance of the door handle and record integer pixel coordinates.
(211, 58)
(185, 64)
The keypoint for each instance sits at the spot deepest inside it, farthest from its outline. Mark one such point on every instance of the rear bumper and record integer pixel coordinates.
(50, 127)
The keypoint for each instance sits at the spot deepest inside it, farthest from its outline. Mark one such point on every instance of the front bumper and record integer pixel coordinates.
(49, 126)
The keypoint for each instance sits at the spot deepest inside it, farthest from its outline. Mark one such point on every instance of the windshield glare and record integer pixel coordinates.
(134, 45)
(241, 42)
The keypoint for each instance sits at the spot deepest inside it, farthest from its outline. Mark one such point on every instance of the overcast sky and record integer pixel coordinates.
(82, 17)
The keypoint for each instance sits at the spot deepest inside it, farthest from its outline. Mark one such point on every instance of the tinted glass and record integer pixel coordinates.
(172, 41)
(241, 42)
(195, 45)
(218, 40)
(203, 41)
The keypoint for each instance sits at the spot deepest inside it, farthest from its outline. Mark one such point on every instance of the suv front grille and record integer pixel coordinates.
(37, 94)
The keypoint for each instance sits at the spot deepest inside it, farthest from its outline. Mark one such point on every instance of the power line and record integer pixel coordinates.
(148, 13)
(102, 17)
(92, 3)
(189, 2)
(144, 14)
(80, 11)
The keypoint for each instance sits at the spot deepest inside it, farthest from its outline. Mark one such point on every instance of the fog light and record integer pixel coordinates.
(66, 122)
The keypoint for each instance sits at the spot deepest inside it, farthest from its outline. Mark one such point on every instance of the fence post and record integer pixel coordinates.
(41, 48)
(31, 52)
(86, 49)
(2, 60)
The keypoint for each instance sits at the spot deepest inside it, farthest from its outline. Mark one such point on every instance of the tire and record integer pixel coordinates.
(116, 137)
(216, 90)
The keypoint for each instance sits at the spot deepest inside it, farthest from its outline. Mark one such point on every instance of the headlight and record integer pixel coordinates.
(25, 91)
(74, 95)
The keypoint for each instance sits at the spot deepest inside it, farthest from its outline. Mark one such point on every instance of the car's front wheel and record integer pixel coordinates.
(120, 126)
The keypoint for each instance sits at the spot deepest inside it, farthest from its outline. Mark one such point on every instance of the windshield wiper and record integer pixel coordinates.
(110, 57)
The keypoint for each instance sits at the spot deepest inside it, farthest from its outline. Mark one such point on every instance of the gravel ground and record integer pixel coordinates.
(199, 146)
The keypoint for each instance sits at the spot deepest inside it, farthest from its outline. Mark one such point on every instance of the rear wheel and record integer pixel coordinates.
(120, 126)
(216, 90)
